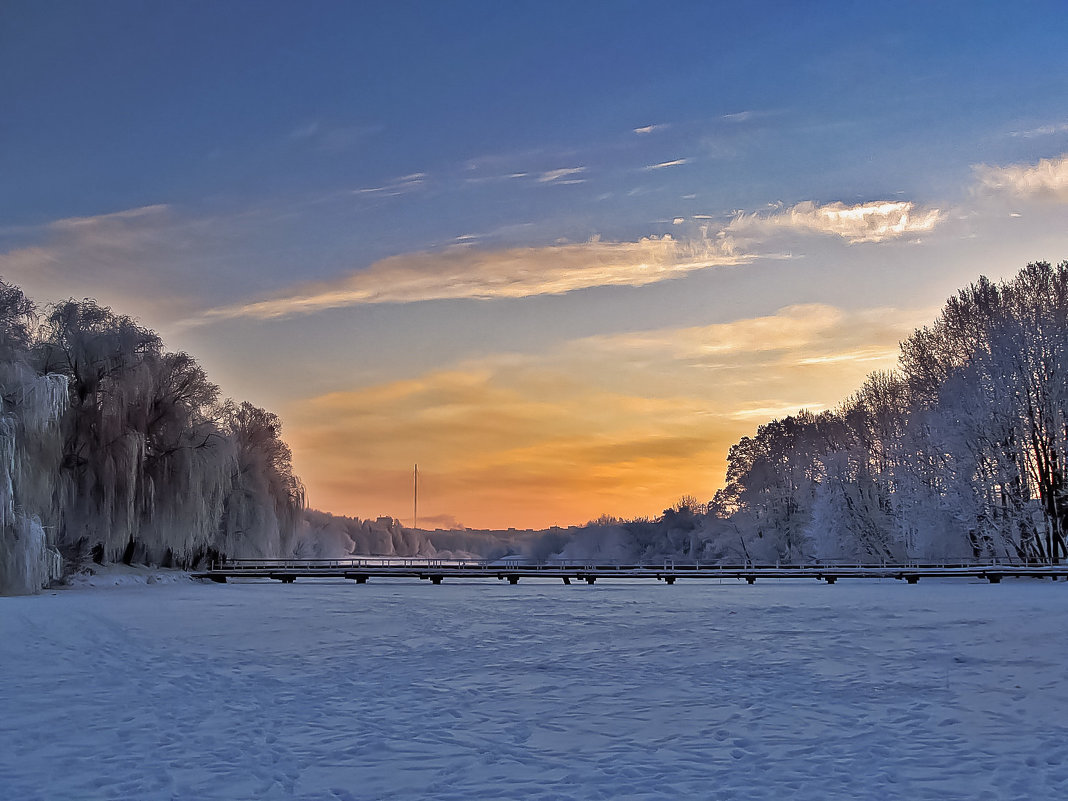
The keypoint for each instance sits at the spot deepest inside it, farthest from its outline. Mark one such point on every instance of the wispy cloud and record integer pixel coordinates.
(1041, 130)
(865, 222)
(802, 334)
(551, 176)
(663, 164)
(1045, 181)
(648, 129)
(777, 410)
(330, 137)
(150, 260)
(465, 273)
(487, 179)
(101, 222)
(400, 186)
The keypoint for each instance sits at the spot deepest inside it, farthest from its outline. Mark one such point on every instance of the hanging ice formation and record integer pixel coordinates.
(30, 450)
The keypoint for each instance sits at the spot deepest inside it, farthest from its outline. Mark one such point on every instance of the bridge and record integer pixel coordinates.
(360, 570)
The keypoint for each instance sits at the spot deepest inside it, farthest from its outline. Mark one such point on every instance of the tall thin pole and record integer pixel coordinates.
(415, 502)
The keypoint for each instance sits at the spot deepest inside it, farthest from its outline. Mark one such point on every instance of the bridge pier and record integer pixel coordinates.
(912, 579)
(750, 579)
(435, 579)
(591, 579)
(669, 579)
(567, 579)
(830, 579)
(513, 579)
(994, 578)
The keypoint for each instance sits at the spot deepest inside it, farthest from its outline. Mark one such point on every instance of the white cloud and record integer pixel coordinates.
(648, 129)
(865, 222)
(1042, 130)
(1045, 181)
(663, 164)
(556, 175)
(465, 273)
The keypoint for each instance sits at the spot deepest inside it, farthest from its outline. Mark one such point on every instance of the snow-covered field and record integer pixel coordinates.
(404, 690)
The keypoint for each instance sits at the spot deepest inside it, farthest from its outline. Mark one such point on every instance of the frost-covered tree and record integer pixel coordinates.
(962, 451)
(111, 445)
(263, 505)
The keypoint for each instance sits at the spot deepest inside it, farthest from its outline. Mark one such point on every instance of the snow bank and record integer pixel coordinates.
(403, 690)
(99, 576)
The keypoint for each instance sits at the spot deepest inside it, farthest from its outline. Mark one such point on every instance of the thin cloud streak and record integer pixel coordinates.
(100, 220)
(555, 175)
(663, 164)
(400, 186)
(483, 275)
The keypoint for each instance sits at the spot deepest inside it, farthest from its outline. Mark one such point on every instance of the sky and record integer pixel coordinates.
(561, 255)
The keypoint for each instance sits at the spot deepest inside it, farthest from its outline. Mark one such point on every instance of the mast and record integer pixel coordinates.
(415, 501)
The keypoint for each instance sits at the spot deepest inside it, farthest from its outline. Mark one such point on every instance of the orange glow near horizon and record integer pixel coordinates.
(621, 425)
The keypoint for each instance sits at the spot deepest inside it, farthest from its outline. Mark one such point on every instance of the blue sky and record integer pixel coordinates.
(444, 232)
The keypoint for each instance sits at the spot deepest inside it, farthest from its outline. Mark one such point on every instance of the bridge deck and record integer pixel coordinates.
(435, 571)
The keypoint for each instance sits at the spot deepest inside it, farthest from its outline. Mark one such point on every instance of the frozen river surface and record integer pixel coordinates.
(861, 690)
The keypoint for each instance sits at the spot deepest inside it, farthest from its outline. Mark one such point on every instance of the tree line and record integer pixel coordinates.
(961, 451)
(113, 447)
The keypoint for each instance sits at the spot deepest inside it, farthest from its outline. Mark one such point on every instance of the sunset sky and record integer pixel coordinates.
(562, 255)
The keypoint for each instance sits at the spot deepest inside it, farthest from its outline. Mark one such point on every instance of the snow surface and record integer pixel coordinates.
(403, 690)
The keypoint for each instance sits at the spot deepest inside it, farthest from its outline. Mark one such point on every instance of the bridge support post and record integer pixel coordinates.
(912, 579)
(750, 579)
(360, 579)
(591, 579)
(513, 579)
(567, 579)
(435, 579)
(669, 579)
(994, 578)
(831, 579)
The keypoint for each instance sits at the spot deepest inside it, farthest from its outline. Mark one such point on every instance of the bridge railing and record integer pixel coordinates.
(675, 565)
